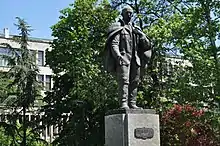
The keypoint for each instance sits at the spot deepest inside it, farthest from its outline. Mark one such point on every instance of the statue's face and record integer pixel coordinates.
(127, 15)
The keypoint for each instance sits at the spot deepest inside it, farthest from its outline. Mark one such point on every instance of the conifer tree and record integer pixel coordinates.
(23, 72)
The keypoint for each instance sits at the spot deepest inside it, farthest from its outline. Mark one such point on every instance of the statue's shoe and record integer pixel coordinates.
(134, 106)
(124, 106)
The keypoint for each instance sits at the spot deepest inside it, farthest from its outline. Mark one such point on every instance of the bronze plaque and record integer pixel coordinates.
(144, 133)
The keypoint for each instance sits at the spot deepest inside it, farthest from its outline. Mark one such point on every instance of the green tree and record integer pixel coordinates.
(11, 136)
(189, 31)
(22, 73)
(4, 139)
(4, 91)
(81, 87)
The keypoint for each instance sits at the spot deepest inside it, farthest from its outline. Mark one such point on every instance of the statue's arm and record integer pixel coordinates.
(115, 47)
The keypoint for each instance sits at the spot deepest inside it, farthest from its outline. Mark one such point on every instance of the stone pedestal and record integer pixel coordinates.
(132, 128)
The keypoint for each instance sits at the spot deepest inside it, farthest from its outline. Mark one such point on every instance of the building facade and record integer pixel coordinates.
(36, 45)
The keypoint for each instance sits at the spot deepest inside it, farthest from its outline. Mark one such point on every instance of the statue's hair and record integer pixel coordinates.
(126, 9)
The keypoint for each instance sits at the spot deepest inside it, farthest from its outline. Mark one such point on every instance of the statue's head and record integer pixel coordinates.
(127, 13)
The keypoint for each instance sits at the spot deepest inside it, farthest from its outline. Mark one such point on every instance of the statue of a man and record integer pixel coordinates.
(127, 51)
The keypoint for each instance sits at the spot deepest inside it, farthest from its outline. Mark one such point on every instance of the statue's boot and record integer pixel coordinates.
(133, 99)
(133, 105)
(123, 93)
(124, 105)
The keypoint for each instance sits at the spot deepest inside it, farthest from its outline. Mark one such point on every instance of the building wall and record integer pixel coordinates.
(38, 45)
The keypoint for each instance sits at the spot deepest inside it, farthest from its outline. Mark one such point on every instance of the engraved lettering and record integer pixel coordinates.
(144, 133)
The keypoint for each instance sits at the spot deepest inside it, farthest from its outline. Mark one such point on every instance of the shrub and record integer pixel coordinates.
(184, 125)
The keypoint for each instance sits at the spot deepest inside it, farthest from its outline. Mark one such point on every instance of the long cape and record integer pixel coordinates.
(109, 60)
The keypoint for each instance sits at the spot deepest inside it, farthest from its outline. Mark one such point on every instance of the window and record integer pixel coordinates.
(33, 56)
(3, 61)
(4, 52)
(48, 82)
(41, 80)
(40, 58)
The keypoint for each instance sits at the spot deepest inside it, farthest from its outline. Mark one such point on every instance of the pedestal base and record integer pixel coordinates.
(132, 128)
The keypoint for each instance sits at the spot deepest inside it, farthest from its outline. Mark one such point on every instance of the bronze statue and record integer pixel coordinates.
(127, 51)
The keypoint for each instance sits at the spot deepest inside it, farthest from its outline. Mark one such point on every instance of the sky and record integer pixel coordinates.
(39, 14)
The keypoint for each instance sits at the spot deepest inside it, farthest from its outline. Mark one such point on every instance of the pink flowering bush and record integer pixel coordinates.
(184, 125)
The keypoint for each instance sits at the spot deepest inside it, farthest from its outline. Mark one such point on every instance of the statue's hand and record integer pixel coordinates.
(122, 61)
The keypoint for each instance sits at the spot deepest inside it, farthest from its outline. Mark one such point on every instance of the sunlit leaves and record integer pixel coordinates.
(80, 84)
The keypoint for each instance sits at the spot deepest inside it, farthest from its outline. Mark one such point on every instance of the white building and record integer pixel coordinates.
(35, 44)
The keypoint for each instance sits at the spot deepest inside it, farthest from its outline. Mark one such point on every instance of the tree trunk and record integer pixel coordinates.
(24, 141)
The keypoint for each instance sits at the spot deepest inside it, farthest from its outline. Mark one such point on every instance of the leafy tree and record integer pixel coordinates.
(81, 89)
(191, 32)
(4, 139)
(22, 73)
(11, 136)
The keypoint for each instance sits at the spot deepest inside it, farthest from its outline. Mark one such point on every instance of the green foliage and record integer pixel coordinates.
(81, 87)
(5, 92)
(4, 139)
(11, 137)
(190, 34)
